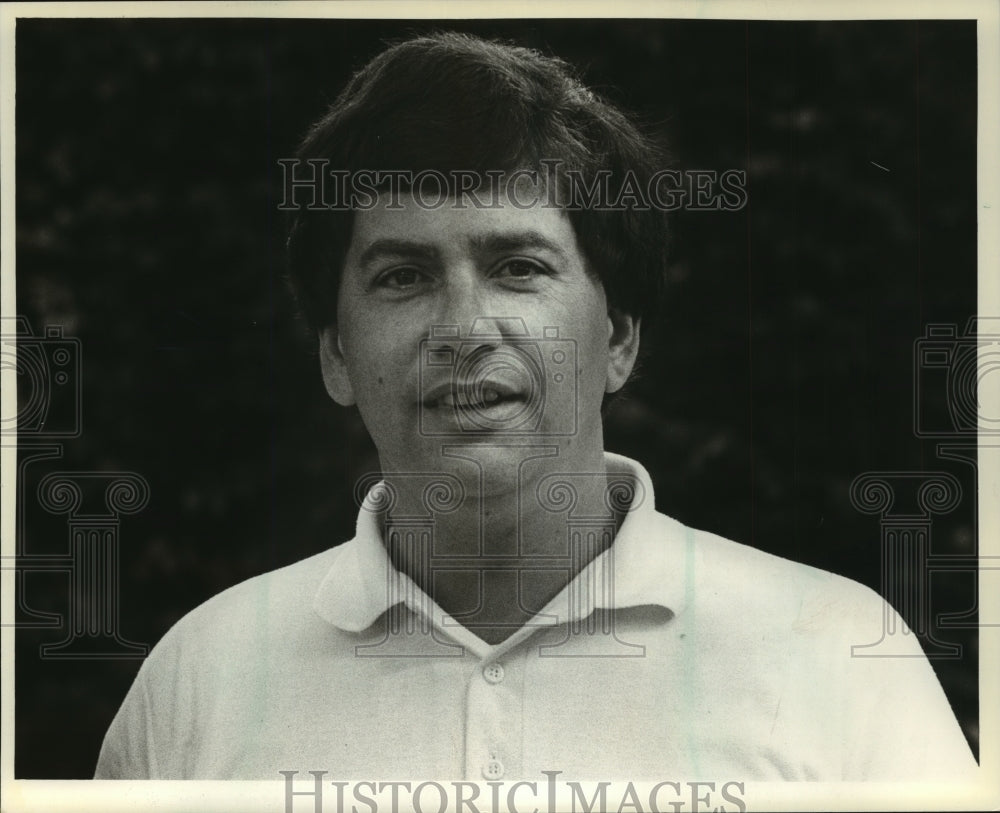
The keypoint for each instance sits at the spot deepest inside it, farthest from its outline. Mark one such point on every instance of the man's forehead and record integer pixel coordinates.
(403, 223)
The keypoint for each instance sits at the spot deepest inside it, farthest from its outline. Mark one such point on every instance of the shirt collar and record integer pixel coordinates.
(644, 566)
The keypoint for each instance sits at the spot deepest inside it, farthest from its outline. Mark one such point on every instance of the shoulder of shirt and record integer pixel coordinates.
(741, 581)
(272, 604)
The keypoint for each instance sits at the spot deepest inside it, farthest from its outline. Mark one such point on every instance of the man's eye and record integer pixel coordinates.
(522, 270)
(399, 278)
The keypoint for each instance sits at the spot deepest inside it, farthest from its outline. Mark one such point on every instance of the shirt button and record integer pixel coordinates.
(493, 673)
(493, 769)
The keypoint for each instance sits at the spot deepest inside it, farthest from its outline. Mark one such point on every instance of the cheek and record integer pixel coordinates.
(381, 364)
(593, 369)
(370, 366)
(590, 329)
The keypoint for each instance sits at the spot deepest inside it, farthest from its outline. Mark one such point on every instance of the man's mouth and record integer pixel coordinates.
(485, 398)
(482, 397)
(480, 406)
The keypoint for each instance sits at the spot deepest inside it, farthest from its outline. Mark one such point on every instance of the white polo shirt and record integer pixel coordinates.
(708, 660)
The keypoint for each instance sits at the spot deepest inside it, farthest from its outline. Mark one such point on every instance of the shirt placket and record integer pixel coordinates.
(494, 730)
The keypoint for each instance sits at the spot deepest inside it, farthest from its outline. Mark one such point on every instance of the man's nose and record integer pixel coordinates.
(474, 311)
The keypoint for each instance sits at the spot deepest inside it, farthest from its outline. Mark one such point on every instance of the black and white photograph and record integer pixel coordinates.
(497, 410)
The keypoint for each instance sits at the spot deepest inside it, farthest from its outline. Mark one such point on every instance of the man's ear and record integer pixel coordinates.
(331, 361)
(623, 348)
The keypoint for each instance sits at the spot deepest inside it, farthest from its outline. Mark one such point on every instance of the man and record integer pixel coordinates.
(478, 273)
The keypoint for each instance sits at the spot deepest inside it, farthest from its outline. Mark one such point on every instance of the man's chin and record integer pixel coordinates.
(482, 463)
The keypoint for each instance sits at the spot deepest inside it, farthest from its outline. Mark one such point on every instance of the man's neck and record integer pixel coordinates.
(496, 557)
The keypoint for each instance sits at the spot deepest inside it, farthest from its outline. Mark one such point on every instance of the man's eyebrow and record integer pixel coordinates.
(512, 241)
(390, 247)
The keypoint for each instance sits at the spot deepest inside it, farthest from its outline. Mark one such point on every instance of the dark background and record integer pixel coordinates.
(147, 226)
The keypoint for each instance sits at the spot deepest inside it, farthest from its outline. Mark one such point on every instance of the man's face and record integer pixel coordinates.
(408, 272)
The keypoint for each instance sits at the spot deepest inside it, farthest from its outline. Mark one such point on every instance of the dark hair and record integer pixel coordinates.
(453, 102)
